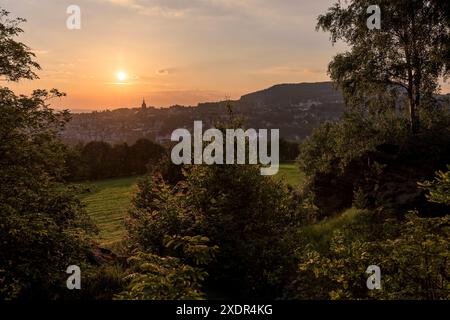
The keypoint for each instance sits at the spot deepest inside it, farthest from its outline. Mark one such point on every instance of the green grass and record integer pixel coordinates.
(108, 200)
(320, 233)
(107, 203)
(291, 174)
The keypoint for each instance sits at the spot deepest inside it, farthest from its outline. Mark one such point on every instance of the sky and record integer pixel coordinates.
(171, 51)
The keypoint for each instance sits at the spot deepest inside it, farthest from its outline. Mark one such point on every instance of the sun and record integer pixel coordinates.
(121, 76)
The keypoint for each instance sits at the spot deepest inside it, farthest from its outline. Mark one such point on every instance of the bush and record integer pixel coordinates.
(376, 158)
(159, 209)
(252, 235)
(153, 277)
(413, 257)
(412, 252)
(44, 227)
(439, 188)
(102, 282)
(213, 201)
(168, 277)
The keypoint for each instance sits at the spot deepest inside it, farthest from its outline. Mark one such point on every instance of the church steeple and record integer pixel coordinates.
(144, 105)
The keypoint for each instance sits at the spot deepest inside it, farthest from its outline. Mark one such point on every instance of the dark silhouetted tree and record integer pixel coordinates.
(16, 59)
(43, 227)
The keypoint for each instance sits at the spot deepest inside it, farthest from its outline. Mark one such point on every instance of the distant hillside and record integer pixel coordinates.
(295, 109)
(293, 94)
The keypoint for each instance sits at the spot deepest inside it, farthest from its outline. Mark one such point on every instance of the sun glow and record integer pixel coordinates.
(121, 76)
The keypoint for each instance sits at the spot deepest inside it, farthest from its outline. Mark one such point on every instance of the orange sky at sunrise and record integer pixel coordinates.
(172, 51)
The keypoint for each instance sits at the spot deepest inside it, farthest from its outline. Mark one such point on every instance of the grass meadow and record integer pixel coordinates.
(107, 201)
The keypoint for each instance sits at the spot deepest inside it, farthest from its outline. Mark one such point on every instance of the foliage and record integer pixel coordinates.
(407, 55)
(16, 59)
(102, 282)
(170, 172)
(226, 228)
(100, 160)
(333, 146)
(412, 252)
(251, 235)
(159, 209)
(153, 277)
(170, 278)
(288, 150)
(44, 228)
(290, 174)
(212, 202)
(439, 189)
(418, 261)
(373, 155)
(193, 249)
(413, 257)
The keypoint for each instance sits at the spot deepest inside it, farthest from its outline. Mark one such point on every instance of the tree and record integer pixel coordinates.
(288, 150)
(408, 54)
(100, 160)
(248, 216)
(43, 227)
(96, 156)
(16, 59)
(143, 152)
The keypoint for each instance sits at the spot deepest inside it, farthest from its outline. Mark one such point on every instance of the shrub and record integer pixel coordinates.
(249, 217)
(153, 277)
(414, 263)
(376, 158)
(44, 227)
(439, 189)
(213, 201)
(170, 278)
(412, 252)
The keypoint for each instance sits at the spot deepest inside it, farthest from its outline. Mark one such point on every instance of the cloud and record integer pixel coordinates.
(166, 71)
(182, 8)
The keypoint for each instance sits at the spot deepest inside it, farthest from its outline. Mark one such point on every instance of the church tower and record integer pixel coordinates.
(144, 105)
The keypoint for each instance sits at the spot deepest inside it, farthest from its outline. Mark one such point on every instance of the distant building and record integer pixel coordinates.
(144, 105)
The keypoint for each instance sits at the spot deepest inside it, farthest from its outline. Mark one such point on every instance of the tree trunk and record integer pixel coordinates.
(413, 119)
(411, 99)
(417, 98)
(412, 104)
